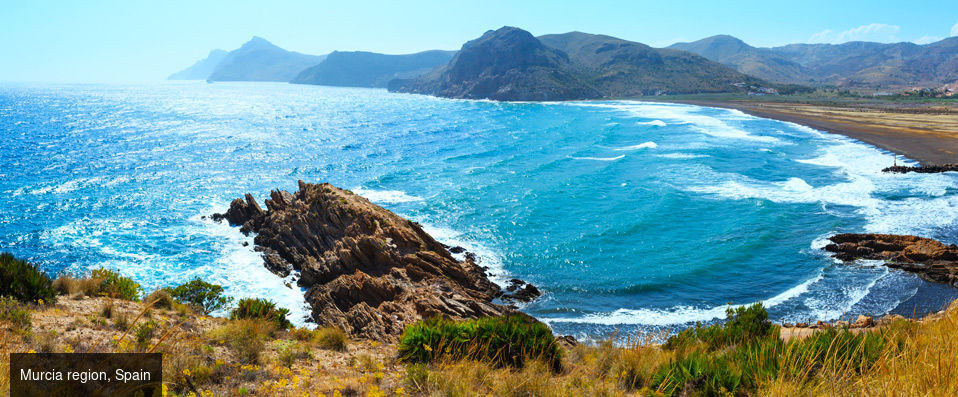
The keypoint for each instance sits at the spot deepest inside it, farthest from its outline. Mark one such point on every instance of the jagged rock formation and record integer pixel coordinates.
(367, 270)
(930, 259)
(922, 169)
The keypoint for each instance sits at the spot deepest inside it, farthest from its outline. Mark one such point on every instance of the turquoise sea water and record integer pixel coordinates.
(629, 216)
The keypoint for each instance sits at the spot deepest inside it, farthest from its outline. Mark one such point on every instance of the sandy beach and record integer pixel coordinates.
(925, 133)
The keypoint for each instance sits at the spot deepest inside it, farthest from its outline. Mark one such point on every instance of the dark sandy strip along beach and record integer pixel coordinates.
(928, 134)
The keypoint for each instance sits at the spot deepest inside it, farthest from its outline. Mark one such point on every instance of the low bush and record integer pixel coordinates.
(507, 340)
(114, 285)
(330, 338)
(66, 284)
(204, 296)
(743, 324)
(11, 311)
(245, 337)
(144, 334)
(159, 298)
(256, 308)
(24, 281)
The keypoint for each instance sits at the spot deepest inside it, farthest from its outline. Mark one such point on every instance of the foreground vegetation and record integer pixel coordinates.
(255, 351)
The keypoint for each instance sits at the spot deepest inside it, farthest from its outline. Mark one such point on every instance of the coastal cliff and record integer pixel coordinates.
(367, 270)
(932, 260)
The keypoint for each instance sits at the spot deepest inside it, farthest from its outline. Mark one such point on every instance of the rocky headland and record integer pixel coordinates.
(932, 260)
(366, 269)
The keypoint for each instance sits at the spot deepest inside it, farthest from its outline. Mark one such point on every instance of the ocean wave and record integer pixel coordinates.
(680, 314)
(654, 123)
(687, 114)
(619, 157)
(645, 145)
(386, 196)
(486, 255)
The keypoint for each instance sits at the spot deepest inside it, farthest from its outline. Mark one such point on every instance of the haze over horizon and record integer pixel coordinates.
(113, 41)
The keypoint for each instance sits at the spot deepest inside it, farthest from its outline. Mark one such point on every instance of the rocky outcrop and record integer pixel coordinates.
(922, 169)
(366, 270)
(930, 259)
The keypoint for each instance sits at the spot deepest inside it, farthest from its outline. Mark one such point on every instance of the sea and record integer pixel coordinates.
(633, 218)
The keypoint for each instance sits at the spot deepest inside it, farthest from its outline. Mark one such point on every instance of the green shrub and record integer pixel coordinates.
(114, 285)
(144, 333)
(330, 338)
(11, 311)
(24, 282)
(262, 309)
(204, 296)
(743, 324)
(507, 340)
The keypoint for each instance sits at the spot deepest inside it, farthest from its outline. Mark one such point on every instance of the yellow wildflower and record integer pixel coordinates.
(186, 371)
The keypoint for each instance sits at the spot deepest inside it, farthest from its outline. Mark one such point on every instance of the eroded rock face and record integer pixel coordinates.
(366, 269)
(930, 259)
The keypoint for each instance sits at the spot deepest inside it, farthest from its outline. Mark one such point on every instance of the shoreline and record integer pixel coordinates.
(926, 135)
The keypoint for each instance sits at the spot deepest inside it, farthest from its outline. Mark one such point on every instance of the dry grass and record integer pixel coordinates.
(200, 356)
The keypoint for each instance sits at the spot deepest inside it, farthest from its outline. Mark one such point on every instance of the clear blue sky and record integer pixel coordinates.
(103, 40)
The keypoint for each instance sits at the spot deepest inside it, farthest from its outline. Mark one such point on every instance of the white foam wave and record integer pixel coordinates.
(655, 123)
(679, 314)
(487, 256)
(386, 196)
(600, 158)
(242, 272)
(645, 145)
(687, 114)
(924, 208)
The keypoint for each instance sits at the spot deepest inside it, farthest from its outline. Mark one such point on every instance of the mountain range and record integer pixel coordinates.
(511, 64)
(854, 64)
(369, 69)
(260, 60)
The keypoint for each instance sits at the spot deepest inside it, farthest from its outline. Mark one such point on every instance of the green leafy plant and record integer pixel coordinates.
(508, 340)
(205, 297)
(24, 281)
(261, 309)
(114, 285)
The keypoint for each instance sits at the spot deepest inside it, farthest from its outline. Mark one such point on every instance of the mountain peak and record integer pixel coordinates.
(257, 43)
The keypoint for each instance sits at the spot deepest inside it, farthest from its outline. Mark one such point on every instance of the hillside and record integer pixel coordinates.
(202, 69)
(622, 68)
(368, 69)
(855, 64)
(508, 64)
(511, 64)
(260, 60)
(759, 62)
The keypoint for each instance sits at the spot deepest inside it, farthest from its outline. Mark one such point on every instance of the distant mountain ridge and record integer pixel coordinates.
(260, 60)
(852, 64)
(510, 64)
(369, 69)
(202, 69)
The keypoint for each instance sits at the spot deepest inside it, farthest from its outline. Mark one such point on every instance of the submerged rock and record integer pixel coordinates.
(932, 260)
(366, 270)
